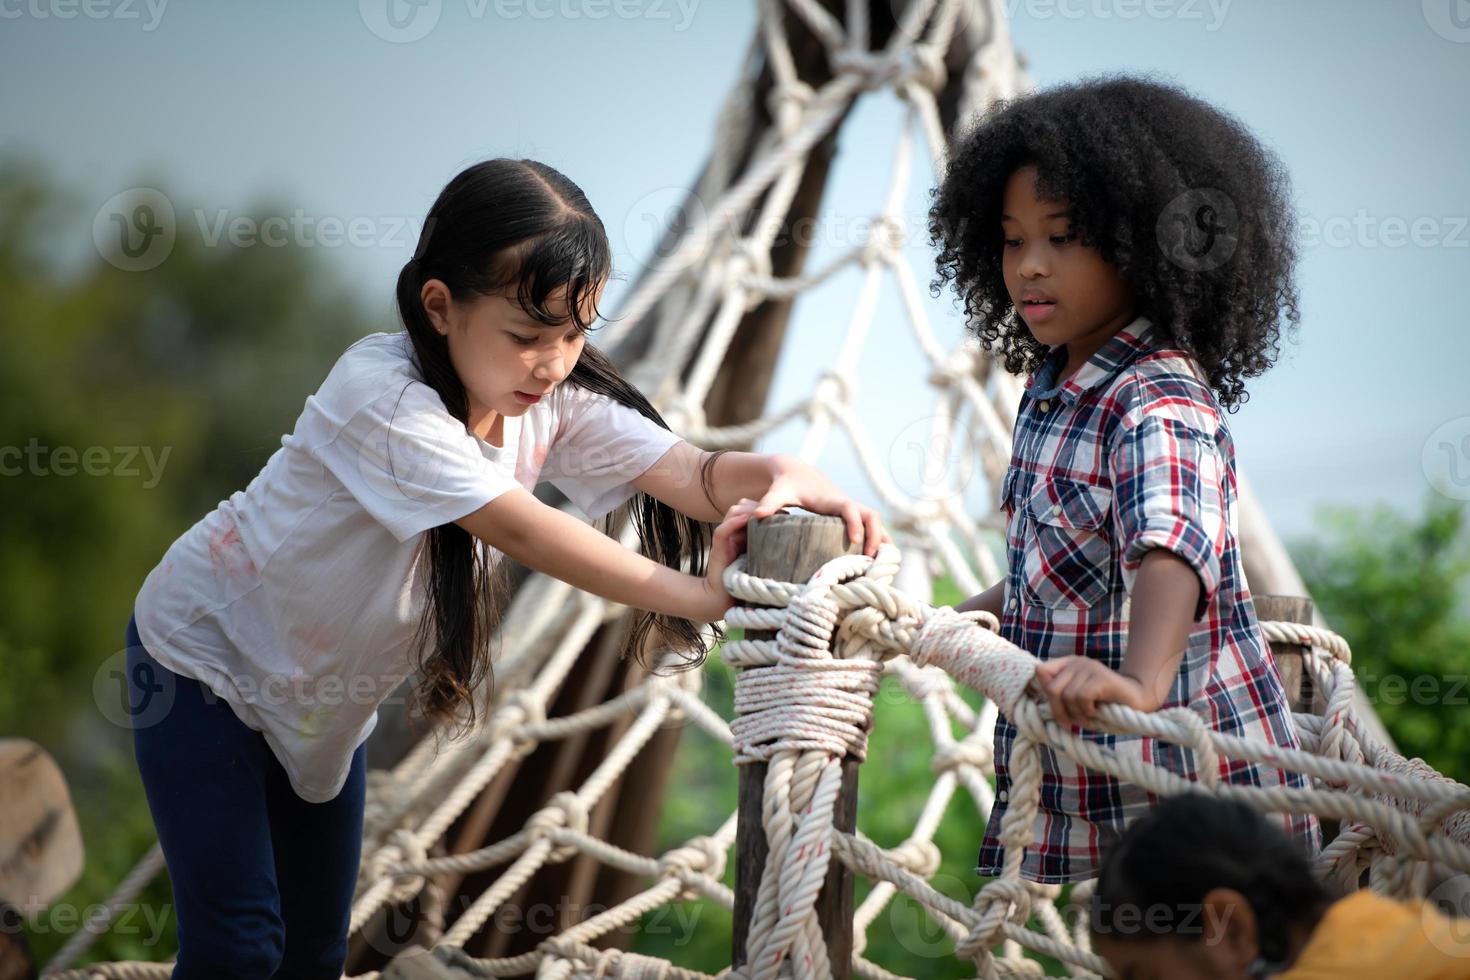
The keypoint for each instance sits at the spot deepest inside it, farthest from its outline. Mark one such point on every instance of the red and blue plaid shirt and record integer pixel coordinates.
(1129, 453)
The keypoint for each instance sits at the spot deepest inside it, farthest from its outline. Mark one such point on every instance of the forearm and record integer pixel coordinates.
(554, 543)
(1165, 594)
(990, 600)
(739, 476)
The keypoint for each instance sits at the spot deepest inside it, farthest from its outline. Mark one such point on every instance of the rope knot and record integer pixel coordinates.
(701, 854)
(400, 849)
(873, 69)
(788, 100)
(564, 809)
(885, 238)
(949, 758)
(832, 386)
(635, 966)
(1003, 900)
(520, 709)
(747, 262)
(919, 856)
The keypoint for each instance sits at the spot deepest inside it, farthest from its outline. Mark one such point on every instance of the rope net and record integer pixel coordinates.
(805, 700)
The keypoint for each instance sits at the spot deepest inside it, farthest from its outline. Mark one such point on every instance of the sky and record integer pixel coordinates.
(346, 119)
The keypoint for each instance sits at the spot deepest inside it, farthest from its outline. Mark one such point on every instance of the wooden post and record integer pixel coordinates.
(790, 548)
(1290, 658)
(1291, 663)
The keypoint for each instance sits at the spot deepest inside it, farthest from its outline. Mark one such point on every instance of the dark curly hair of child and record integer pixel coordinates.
(1179, 196)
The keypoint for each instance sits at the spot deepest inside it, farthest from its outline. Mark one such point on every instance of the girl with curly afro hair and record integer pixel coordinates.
(1183, 203)
(1121, 243)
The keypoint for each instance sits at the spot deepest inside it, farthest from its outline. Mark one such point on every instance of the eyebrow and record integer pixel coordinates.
(532, 323)
(1054, 214)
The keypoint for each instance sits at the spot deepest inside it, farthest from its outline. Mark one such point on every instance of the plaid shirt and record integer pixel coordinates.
(1129, 453)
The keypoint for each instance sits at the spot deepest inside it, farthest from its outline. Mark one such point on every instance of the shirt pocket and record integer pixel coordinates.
(1068, 563)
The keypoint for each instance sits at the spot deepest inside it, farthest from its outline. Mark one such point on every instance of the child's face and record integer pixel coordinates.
(502, 354)
(1043, 259)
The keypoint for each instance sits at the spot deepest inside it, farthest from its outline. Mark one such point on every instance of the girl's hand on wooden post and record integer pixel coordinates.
(728, 544)
(797, 483)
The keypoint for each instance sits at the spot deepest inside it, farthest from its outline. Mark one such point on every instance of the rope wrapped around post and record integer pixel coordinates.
(802, 706)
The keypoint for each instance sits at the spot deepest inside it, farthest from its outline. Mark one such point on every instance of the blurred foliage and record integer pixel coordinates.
(209, 357)
(200, 364)
(1394, 586)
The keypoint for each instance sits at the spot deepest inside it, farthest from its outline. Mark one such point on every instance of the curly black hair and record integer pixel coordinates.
(1173, 856)
(1178, 195)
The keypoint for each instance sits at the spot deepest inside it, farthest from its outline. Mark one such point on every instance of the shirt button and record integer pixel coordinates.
(1004, 796)
(1013, 602)
(1044, 405)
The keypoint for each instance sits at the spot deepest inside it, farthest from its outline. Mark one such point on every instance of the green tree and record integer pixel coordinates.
(1394, 586)
(200, 364)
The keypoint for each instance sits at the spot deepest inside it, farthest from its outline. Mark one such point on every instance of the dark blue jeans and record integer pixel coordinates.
(262, 879)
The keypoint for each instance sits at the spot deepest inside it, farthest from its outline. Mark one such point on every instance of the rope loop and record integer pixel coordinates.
(564, 809)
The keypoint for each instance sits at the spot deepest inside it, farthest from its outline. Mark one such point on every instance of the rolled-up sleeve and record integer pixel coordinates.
(406, 460)
(1169, 492)
(602, 446)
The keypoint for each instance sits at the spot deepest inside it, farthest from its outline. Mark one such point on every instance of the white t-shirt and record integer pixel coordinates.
(296, 599)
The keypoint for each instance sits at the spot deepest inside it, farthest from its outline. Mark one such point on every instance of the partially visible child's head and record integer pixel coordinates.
(1202, 889)
(1170, 209)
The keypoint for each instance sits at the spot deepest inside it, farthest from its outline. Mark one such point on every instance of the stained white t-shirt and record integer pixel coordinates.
(296, 599)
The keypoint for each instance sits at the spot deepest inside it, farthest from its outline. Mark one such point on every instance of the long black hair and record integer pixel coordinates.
(1170, 857)
(498, 224)
(1189, 206)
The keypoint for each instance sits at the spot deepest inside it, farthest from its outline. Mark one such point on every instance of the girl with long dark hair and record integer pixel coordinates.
(264, 641)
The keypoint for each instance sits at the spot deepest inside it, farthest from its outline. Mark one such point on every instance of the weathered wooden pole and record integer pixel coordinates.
(1291, 663)
(790, 548)
(1291, 658)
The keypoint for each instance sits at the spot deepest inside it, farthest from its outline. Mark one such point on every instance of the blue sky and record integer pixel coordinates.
(307, 108)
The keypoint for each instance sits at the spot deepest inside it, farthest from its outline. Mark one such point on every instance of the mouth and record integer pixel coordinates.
(529, 399)
(1036, 309)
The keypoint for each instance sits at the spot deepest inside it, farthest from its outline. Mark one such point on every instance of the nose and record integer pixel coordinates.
(1033, 262)
(551, 368)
